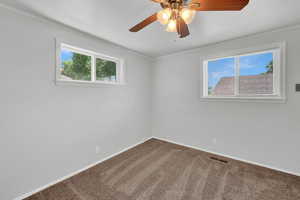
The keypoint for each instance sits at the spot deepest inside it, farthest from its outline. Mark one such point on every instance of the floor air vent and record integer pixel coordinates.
(219, 160)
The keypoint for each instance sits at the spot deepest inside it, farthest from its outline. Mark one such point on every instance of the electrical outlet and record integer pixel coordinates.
(97, 149)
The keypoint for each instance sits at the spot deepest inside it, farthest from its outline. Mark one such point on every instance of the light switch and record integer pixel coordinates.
(298, 87)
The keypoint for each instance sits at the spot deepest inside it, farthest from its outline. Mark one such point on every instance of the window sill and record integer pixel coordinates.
(268, 99)
(87, 83)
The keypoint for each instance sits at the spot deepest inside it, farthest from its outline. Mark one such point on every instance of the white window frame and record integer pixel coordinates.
(278, 50)
(94, 56)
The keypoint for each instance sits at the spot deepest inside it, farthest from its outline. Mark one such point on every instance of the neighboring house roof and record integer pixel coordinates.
(257, 84)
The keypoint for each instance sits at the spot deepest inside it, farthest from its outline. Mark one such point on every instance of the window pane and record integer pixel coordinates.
(256, 74)
(106, 70)
(75, 66)
(221, 77)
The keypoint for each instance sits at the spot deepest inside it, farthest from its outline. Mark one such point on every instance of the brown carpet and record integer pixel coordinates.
(157, 170)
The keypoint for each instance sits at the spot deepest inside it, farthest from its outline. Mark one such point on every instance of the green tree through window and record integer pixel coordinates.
(79, 68)
(269, 68)
(105, 70)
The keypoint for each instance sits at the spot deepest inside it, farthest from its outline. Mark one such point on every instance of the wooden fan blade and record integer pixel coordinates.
(218, 5)
(182, 28)
(162, 3)
(144, 23)
(157, 1)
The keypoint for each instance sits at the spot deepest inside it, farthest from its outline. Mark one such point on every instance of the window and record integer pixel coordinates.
(257, 75)
(77, 65)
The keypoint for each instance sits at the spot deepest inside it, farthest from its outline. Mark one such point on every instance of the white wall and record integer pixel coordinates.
(49, 131)
(265, 133)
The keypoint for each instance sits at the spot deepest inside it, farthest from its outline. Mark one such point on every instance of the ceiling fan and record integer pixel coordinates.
(176, 14)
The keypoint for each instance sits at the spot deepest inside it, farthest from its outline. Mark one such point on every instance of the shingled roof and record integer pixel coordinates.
(257, 84)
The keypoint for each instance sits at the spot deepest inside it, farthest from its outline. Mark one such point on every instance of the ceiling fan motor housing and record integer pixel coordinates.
(175, 4)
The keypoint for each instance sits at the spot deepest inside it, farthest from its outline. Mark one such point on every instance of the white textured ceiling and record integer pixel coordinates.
(111, 19)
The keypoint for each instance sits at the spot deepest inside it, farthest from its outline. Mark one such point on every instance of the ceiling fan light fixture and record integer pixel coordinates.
(187, 15)
(172, 26)
(177, 14)
(164, 16)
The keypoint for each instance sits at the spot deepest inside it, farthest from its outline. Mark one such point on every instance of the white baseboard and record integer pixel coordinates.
(167, 140)
(77, 172)
(231, 157)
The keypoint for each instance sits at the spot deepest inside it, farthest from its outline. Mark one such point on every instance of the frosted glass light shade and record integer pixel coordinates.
(172, 27)
(164, 15)
(187, 15)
